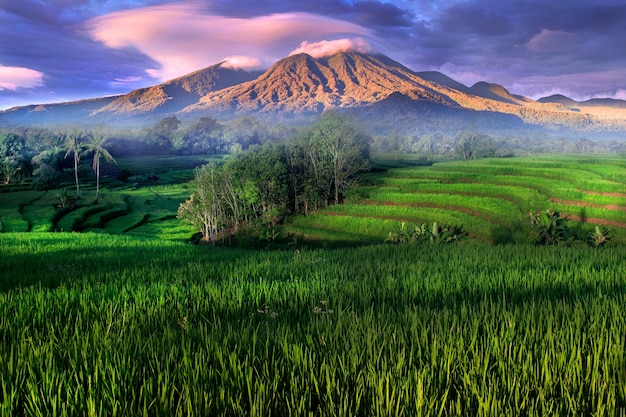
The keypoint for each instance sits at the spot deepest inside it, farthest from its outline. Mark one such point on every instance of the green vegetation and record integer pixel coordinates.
(261, 186)
(109, 325)
(492, 199)
(126, 318)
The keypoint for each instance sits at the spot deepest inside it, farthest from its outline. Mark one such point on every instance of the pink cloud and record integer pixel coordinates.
(12, 78)
(327, 48)
(553, 41)
(620, 94)
(183, 38)
(242, 62)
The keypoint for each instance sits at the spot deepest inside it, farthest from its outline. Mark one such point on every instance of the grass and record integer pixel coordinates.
(140, 207)
(127, 319)
(482, 195)
(485, 196)
(89, 327)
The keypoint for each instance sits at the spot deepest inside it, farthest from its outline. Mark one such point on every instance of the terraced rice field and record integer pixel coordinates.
(484, 196)
(142, 206)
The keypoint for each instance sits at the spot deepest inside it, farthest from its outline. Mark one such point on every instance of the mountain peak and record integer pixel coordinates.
(495, 92)
(178, 93)
(301, 84)
(559, 99)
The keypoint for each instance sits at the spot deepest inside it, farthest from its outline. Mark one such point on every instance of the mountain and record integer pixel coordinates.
(560, 99)
(442, 79)
(605, 102)
(178, 93)
(496, 92)
(300, 84)
(52, 114)
(373, 87)
(136, 106)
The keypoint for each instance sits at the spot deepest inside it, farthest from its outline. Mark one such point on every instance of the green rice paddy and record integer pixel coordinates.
(126, 318)
(94, 324)
(484, 196)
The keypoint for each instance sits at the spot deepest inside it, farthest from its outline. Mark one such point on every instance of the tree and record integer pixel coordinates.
(47, 168)
(160, 136)
(337, 151)
(204, 208)
(473, 145)
(96, 143)
(12, 156)
(9, 169)
(204, 136)
(73, 141)
(261, 176)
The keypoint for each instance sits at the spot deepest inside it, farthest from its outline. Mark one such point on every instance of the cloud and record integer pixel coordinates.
(553, 41)
(327, 48)
(620, 94)
(12, 78)
(374, 13)
(242, 62)
(183, 38)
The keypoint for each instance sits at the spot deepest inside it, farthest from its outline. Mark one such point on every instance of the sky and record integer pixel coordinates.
(62, 50)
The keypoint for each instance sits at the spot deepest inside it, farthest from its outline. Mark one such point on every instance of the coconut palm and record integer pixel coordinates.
(74, 145)
(96, 143)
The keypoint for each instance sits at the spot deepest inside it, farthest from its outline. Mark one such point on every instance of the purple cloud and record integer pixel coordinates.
(86, 48)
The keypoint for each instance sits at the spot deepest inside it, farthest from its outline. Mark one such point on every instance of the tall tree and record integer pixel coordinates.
(337, 151)
(12, 156)
(73, 141)
(96, 143)
(205, 209)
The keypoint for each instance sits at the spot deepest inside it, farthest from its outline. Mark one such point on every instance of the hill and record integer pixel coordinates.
(301, 86)
(176, 94)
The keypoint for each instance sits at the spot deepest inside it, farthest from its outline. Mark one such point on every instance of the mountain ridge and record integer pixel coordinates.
(301, 86)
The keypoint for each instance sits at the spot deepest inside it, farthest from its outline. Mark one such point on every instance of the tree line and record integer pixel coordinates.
(263, 185)
(39, 154)
(46, 156)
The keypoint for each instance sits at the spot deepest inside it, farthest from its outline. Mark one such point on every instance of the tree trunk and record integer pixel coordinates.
(76, 174)
(97, 178)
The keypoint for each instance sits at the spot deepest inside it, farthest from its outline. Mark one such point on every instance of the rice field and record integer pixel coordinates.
(125, 318)
(145, 206)
(96, 324)
(485, 196)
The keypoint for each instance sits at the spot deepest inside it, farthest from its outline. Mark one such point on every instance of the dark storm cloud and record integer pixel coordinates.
(570, 45)
(375, 14)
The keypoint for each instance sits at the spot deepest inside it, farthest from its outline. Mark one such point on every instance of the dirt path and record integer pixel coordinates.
(614, 207)
(602, 194)
(591, 220)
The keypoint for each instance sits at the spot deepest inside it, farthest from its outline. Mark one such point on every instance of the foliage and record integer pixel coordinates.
(128, 326)
(423, 232)
(13, 157)
(66, 198)
(75, 146)
(266, 183)
(96, 143)
(551, 228)
(600, 236)
(10, 170)
(471, 145)
(205, 209)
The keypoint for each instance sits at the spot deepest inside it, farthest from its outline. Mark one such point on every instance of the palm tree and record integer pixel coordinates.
(96, 143)
(74, 145)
